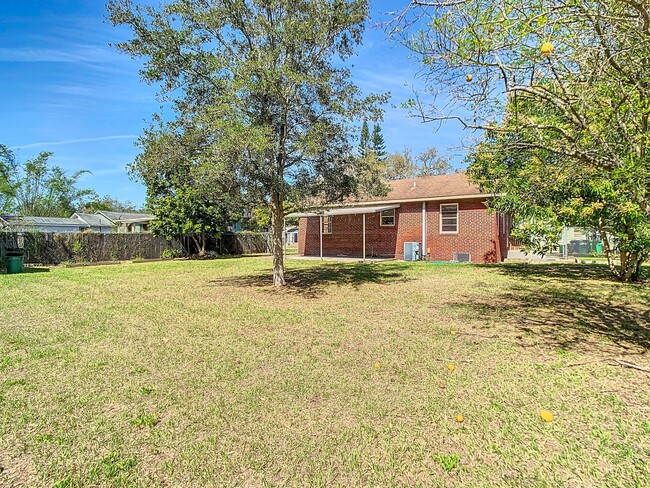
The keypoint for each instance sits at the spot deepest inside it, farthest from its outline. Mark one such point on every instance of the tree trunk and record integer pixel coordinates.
(204, 241)
(199, 249)
(608, 253)
(630, 267)
(631, 270)
(277, 224)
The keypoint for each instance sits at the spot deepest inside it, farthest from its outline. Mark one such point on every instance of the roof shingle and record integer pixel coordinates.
(428, 187)
(55, 221)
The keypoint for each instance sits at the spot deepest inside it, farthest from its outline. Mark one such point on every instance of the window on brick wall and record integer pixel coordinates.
(327, 225)
(387, 218)
(449, 218)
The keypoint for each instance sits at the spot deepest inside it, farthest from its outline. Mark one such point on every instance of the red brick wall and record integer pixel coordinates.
(477, 234)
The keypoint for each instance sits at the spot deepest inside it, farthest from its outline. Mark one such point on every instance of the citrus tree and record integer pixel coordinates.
(559, 90)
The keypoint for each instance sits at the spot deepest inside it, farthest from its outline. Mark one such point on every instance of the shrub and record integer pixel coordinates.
(171, 253)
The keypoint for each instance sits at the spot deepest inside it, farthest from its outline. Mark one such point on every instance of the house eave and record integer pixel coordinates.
(415, 200)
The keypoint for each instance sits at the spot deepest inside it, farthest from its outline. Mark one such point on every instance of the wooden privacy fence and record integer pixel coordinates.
(90, 247)
(239, 243)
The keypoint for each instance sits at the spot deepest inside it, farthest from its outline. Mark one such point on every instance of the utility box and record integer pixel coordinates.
(412, 251)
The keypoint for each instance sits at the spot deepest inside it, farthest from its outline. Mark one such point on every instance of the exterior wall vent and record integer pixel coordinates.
(462, 257)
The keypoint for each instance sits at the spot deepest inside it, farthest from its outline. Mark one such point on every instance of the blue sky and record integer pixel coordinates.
(64, 89)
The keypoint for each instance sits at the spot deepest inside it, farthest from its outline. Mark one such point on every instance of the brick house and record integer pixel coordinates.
(446, 215)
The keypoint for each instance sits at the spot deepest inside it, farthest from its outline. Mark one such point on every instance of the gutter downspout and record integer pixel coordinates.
(364, 238)
(321, 237)
(423, 253)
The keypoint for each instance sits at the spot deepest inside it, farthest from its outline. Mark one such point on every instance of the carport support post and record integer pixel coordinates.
(364, 237)
(321, 237)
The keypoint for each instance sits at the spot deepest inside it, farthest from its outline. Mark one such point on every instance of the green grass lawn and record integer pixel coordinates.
(199, 373)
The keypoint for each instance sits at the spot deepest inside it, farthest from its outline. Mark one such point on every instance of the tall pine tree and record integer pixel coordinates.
(364, 141)
(377, 143)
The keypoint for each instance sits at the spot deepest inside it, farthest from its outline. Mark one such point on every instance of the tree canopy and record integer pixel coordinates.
(432, 164)
(560, 90)
(377, 143)
(109, 204)
(190, 193)
(264, 79)
(7, 171)
(36, 188)
(402, 165)
(399, 166)
(364, 139)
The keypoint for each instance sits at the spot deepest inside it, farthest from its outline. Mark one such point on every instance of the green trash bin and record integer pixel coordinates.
(14, 260)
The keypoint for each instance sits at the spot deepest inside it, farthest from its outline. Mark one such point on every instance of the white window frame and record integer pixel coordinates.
(381, 218)
(327, 224)
(457, 218)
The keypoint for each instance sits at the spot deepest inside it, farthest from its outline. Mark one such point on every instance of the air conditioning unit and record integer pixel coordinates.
(412, 251)
(462, 257)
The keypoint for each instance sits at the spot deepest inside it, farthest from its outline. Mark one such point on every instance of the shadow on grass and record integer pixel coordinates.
(29, 269)
(313, 282)
(561, 271)
(566, 312)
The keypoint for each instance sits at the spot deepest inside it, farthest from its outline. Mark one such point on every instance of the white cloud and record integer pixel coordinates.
(75, 141)
(70, 53)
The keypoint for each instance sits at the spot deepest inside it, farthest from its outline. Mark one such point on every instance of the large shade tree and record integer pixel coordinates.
(265, 79)
(190, 190)
(561, 90)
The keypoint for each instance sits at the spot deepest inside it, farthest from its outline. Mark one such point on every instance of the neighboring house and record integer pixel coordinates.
(96, 222)
(291, 235)
(43, 224)
(440, 218)
(124, 222)
(128, 222)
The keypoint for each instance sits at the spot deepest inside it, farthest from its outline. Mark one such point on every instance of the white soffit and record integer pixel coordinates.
(343, 211)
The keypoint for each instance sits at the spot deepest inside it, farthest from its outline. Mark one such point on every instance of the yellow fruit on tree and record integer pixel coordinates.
(547, 49)
(546, 415)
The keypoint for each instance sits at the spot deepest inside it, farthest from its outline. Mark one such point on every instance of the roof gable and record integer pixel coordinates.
(125, 216)
(94, 220)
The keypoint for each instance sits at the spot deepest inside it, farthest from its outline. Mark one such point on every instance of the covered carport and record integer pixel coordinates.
(342, 211)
